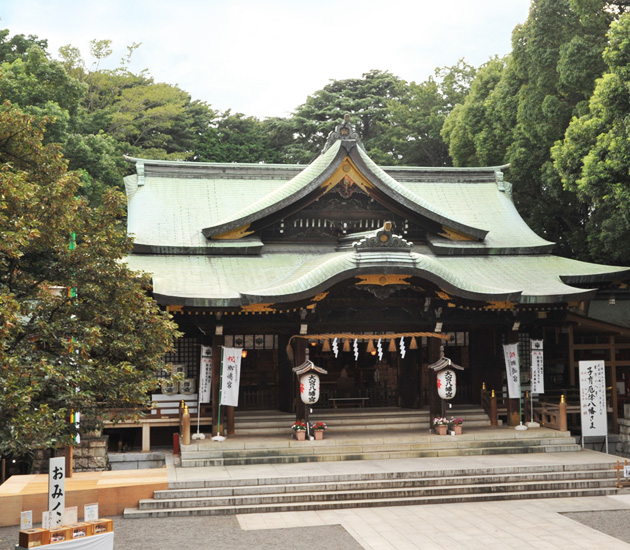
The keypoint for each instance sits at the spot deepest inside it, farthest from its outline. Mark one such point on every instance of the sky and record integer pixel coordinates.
(264, 58)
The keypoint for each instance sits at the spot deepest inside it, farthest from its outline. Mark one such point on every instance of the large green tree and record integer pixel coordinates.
(97, 345)
(366, 99)
(411, 135)
(517, 112)
(593, 160)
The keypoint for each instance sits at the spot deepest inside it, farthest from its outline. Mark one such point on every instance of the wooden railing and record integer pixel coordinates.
(552, 415)
(549, 414)
(493, 405)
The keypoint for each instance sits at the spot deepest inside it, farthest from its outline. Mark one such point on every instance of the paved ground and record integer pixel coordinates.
(543, 524)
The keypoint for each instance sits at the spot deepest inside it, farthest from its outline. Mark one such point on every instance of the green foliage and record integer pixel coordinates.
(58, 354)
(238, 138)
(594, 156)
(17, 46)
(518, 108)
(366, 99)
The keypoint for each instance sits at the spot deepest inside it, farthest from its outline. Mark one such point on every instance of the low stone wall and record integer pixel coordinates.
(89, 456)
(623, 446)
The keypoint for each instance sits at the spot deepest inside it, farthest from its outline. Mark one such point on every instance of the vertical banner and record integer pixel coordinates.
(231, 376)
(56, 490)
(205, 375)
(538, 367)
(593, 398)
(512, 367)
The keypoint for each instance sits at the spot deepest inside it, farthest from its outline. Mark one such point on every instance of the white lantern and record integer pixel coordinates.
(309, 388)
(446, 383)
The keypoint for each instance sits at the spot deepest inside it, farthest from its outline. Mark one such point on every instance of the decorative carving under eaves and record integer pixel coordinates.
(383, 238)
(346, 188)
(383, 292)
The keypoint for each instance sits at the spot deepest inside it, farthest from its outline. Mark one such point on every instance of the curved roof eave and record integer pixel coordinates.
(398, 192)
(317, 172)
(296, 188)
(325, 274)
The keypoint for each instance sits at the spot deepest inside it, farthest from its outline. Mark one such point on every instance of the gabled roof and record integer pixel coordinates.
(197, 230)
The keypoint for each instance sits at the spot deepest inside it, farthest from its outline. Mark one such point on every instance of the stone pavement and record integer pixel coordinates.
(520, 524)
(533, 524)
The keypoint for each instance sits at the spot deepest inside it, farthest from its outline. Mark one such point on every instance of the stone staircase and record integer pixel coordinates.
(240, 496)
(360, 434)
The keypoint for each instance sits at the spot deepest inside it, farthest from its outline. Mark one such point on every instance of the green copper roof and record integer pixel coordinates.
(296, 188)
(174, 208)
(291, 274)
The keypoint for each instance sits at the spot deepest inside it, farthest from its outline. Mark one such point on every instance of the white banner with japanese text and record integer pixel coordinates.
(205, 375)
(231, 376)
(538, 367)
(512, 367)
(593, 398)
(56, 490)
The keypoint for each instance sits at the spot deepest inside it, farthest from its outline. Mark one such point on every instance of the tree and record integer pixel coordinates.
(237, 138)
(18, 45)
(411, 134)
(594, 156)
(98, 345)
(516, 117)
(366, 99)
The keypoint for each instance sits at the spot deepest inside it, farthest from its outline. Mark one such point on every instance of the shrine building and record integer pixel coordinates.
(371, 272)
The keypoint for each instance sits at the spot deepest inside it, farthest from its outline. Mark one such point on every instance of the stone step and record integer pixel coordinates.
(368, 502)
(281, 450)
(136, 461)
(604, 469)
(377, 493)
(188, 494)
(385, 455)
(346, 446)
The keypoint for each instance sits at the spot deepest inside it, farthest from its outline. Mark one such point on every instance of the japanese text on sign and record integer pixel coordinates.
(510, 351)
(593, 398)
(538, 372)
(231, 376)
(56, 490)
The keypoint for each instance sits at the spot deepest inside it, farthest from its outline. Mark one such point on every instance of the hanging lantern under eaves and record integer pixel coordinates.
(309, 388)
(446, 383)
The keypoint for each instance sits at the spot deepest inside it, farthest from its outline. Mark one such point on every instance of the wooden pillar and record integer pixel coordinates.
(562, 421)
(69, 460)
(300, 357)
(613, 384)
(435, 403)
(572, 365)
(230, 420)
(284, 376)
(217, 342)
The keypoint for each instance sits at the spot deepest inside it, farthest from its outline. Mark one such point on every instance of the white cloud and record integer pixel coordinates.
(265, 58)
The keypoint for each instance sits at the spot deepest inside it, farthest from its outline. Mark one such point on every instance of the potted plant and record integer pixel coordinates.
(441, 425)
(456, 425)
(299, 427)
(319, 428)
